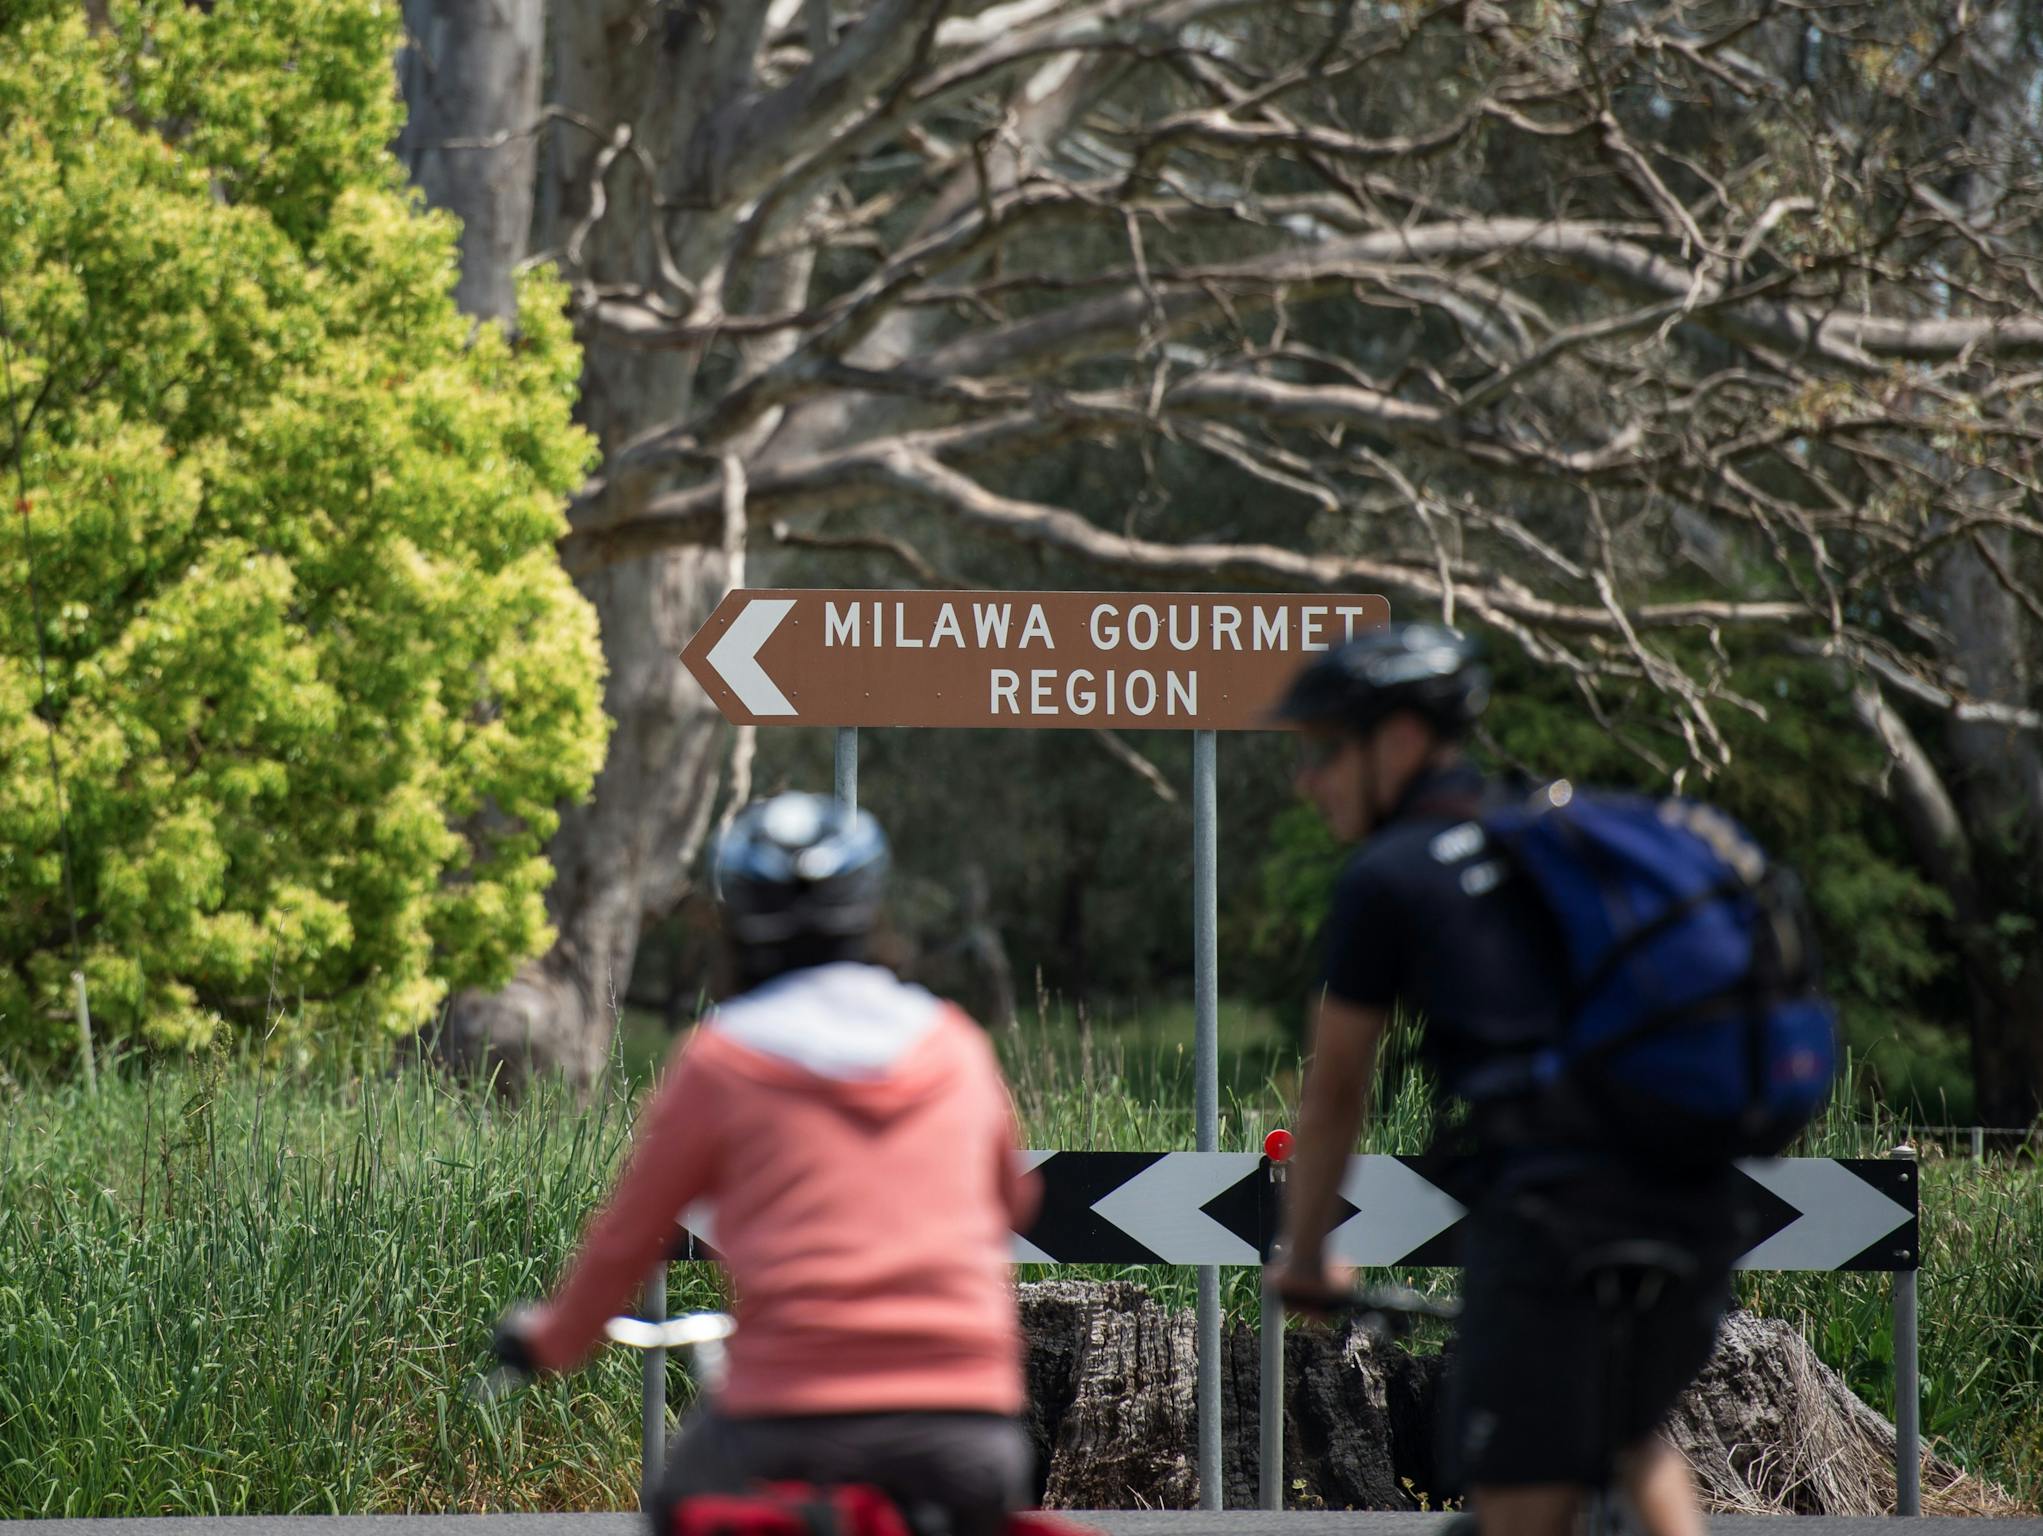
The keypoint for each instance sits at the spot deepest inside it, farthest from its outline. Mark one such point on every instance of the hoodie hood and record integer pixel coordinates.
(849, 1031)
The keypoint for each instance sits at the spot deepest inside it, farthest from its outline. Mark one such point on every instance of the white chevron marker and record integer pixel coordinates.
(700, 1219)
(1396, 1211)
(736, 656)
(1159, 1207)
(1842, 1215)
(1024, 1251)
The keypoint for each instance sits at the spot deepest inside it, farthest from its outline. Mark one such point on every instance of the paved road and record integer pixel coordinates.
(1113, 1522)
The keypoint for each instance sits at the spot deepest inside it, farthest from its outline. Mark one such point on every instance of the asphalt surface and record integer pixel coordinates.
(1152, 1522)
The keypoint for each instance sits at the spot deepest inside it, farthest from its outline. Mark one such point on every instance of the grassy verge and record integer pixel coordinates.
(225, 1292)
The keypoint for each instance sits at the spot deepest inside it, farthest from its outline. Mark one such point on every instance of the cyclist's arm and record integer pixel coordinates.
(1345, 1036)
(1366, 948)
(670, 1166)
(1021, 1190)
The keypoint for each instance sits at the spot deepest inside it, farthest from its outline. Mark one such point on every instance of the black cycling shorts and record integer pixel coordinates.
(974, 1467)
(1545, 1388)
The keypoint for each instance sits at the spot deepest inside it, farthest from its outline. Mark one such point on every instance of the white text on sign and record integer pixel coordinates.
(884, 624)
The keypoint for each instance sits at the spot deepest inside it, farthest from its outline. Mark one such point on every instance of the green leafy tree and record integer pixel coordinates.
(314, 677)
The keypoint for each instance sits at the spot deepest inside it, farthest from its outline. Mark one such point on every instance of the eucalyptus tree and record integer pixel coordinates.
(1631, 332)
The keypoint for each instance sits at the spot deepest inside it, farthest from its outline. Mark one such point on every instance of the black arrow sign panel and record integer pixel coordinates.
(1443, 1249)
(1246, 1209)
(1898, 1178)
(1250, 1208)
(687, 1248)
(1769, 1212)
(1070, 1231)
(1067, 1228)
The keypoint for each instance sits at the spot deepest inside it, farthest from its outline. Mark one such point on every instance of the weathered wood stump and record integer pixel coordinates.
(1112, 1408)
(1769, 1428)
(1111, 1397)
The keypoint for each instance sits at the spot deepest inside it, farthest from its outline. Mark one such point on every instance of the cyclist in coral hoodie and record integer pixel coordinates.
(858, 1146)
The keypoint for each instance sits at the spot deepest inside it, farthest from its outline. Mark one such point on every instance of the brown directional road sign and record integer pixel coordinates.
(1033, 660)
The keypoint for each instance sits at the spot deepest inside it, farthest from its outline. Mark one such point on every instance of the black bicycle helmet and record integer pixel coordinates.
(1427, 668)
(797, 867)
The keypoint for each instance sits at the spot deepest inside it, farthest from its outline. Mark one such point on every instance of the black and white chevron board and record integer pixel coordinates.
(1816, 1213)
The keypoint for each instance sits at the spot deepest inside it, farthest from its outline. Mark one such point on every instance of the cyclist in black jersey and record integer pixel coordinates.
(1425, 916)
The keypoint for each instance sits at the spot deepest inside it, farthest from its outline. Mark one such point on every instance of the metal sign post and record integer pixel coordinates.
(1907, 1380)
(1270, 1385)
(846, 767)
(1206, 1085)
(653, 1393)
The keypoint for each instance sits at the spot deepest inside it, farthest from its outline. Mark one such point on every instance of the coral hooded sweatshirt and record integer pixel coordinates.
(856, 1142)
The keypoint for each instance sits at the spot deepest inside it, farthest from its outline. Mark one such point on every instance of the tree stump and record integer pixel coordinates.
(1116, 1416)
(1113, 1413)
(1767, 1427)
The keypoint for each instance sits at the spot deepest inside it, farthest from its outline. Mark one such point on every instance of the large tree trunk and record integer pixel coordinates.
(1999, 785)
(1998, 771)
(470, 77)
(2005, 1017)
(622, 858)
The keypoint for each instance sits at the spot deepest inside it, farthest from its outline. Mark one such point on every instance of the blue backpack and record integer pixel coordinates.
(1695, 1029)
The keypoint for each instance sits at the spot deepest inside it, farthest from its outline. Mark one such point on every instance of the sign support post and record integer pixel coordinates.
(847, 767)
(653, 1403)
(1206, 1085)
(1270, 1393)
(1907, 1387)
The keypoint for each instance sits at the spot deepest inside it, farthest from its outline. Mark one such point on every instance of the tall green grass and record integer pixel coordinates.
(223, 1291)
(225, 1294)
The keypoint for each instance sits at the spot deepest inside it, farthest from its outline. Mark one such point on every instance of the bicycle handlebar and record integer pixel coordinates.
(1388, 1311)
(701, 1333)
(1401, 1301)
(688, 1331)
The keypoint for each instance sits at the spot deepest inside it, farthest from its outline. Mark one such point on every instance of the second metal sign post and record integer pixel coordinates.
(1196, 661)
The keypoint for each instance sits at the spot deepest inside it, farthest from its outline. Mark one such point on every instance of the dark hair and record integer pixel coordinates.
(753, 965)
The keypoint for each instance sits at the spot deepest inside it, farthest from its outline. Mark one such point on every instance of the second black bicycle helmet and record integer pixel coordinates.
(1427, 668)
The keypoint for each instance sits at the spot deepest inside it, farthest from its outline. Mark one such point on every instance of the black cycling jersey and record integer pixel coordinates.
(1425, 913)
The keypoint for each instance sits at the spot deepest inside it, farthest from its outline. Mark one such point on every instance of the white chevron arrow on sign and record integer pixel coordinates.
(1159, 1207)
(1842, 1215)
(1396, 1211)
(1024, 1251)
(735, 656)
(700, 1219)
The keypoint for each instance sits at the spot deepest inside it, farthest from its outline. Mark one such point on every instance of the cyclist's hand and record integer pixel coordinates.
(512, 1342)
(512, 1345)
(1313, 1290)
